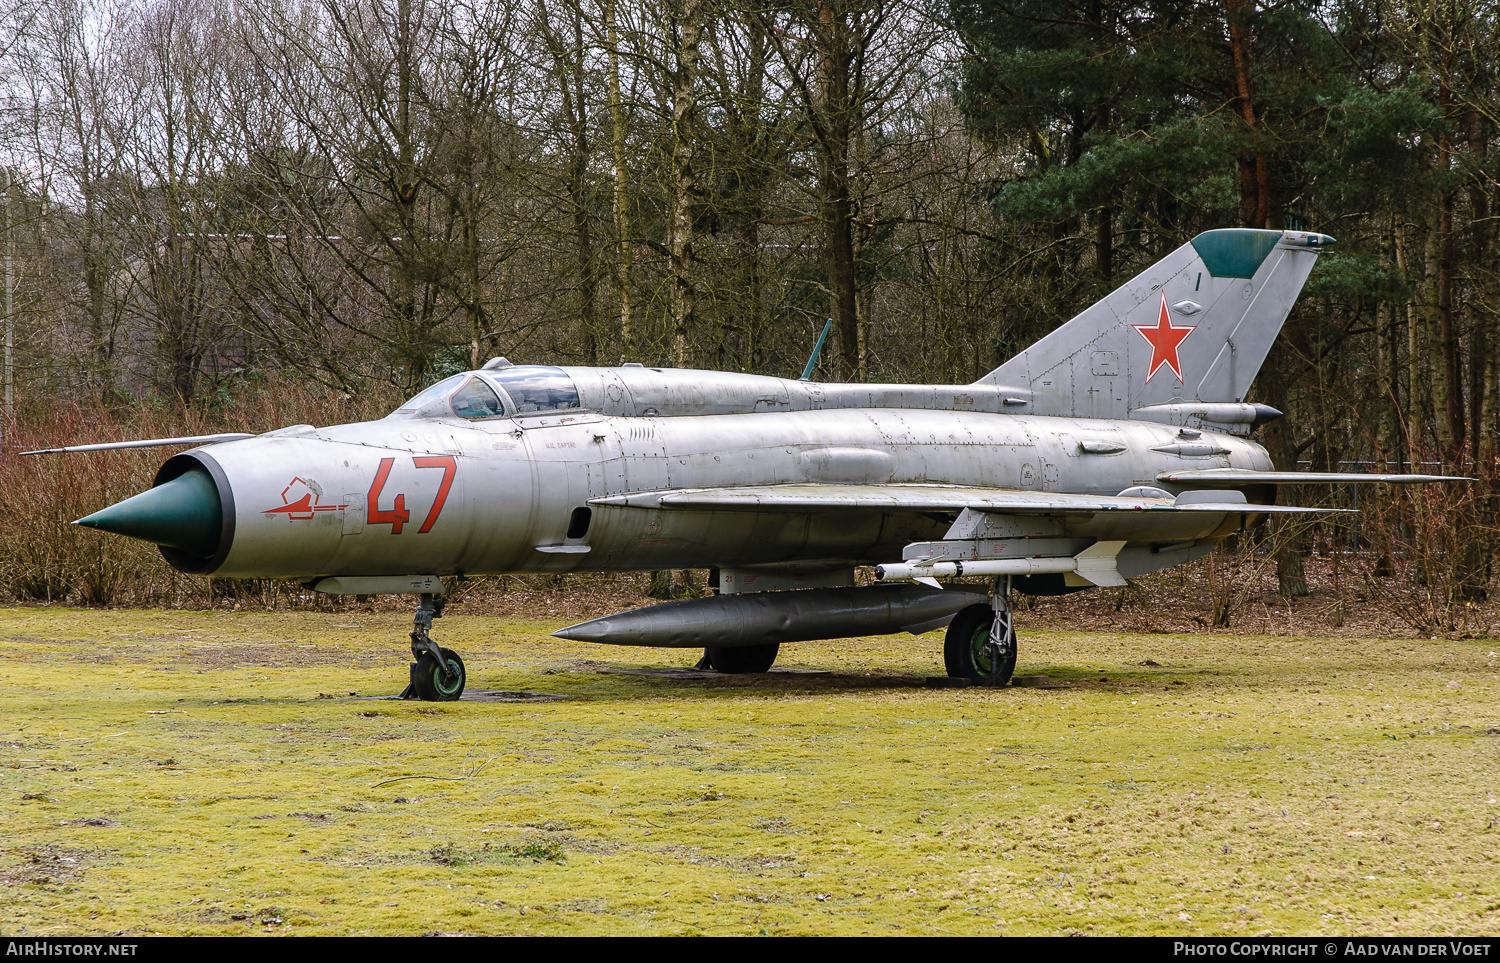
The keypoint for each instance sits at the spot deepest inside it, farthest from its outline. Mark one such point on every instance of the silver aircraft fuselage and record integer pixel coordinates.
(559, 491)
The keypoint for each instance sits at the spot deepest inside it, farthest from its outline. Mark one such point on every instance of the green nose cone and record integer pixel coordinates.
(184, 513)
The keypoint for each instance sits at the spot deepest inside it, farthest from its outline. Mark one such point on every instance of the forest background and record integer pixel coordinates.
(242, 214)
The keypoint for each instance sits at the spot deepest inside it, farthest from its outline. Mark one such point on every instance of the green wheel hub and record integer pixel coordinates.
(968, 654)
(434, 685)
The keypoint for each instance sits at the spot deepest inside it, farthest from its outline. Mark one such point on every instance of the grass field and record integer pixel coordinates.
(209, 773)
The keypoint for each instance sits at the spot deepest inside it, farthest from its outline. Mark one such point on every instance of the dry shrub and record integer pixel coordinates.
(1432, 568)
(44, 558)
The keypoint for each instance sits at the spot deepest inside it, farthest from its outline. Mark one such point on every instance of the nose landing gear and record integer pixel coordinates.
(437, 675)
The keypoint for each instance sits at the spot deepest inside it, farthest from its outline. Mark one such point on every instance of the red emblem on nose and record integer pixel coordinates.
(301, 508)
(1164, 337)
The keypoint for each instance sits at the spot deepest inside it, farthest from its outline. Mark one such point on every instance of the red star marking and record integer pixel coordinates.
(1164, 338)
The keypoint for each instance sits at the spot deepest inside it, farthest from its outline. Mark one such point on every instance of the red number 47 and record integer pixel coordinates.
(397, 515)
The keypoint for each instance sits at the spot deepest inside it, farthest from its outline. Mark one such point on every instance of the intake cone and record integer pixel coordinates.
(184, 513)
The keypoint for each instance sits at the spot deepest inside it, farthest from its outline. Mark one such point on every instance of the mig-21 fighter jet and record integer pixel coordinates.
(1115, 446)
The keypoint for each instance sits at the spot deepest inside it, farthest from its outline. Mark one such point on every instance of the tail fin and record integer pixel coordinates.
(1180, 343)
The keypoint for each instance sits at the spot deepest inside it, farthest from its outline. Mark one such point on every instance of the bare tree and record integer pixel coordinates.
(172, 139)
(69, 93)
(392, 175)
(688, 21)
(846, 60)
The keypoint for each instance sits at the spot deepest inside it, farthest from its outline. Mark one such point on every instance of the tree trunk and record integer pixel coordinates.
(624, 257)
(1451, 414)
(838, 251)
(837, 114)
(684, 182)
(583, 237)
(1290, 540)
(1481, 364)
(1255, 175)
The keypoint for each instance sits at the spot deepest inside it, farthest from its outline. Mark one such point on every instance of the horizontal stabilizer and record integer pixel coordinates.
(1245, 476)
(917, 498)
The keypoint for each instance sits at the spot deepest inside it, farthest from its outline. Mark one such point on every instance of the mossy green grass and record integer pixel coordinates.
(210, 773)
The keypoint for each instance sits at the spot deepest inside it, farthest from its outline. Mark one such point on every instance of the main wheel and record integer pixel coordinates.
(966, 649)
(743, 658)
(432, 684)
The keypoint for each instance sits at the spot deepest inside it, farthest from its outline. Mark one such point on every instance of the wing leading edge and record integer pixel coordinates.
(1245, 476)
(933, 498)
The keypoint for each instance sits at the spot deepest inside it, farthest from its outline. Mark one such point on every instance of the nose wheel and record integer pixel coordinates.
(437, 675)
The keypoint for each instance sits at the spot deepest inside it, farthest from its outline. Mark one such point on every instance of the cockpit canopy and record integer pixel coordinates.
(476, 400)
(536, 388)
(512, 392)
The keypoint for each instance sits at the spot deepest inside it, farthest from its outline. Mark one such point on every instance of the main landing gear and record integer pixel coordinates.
(981, 641)
(740, 658)
(437, 675)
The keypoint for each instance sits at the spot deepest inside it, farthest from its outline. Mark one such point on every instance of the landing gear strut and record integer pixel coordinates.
(437, 675)
(981, 641)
